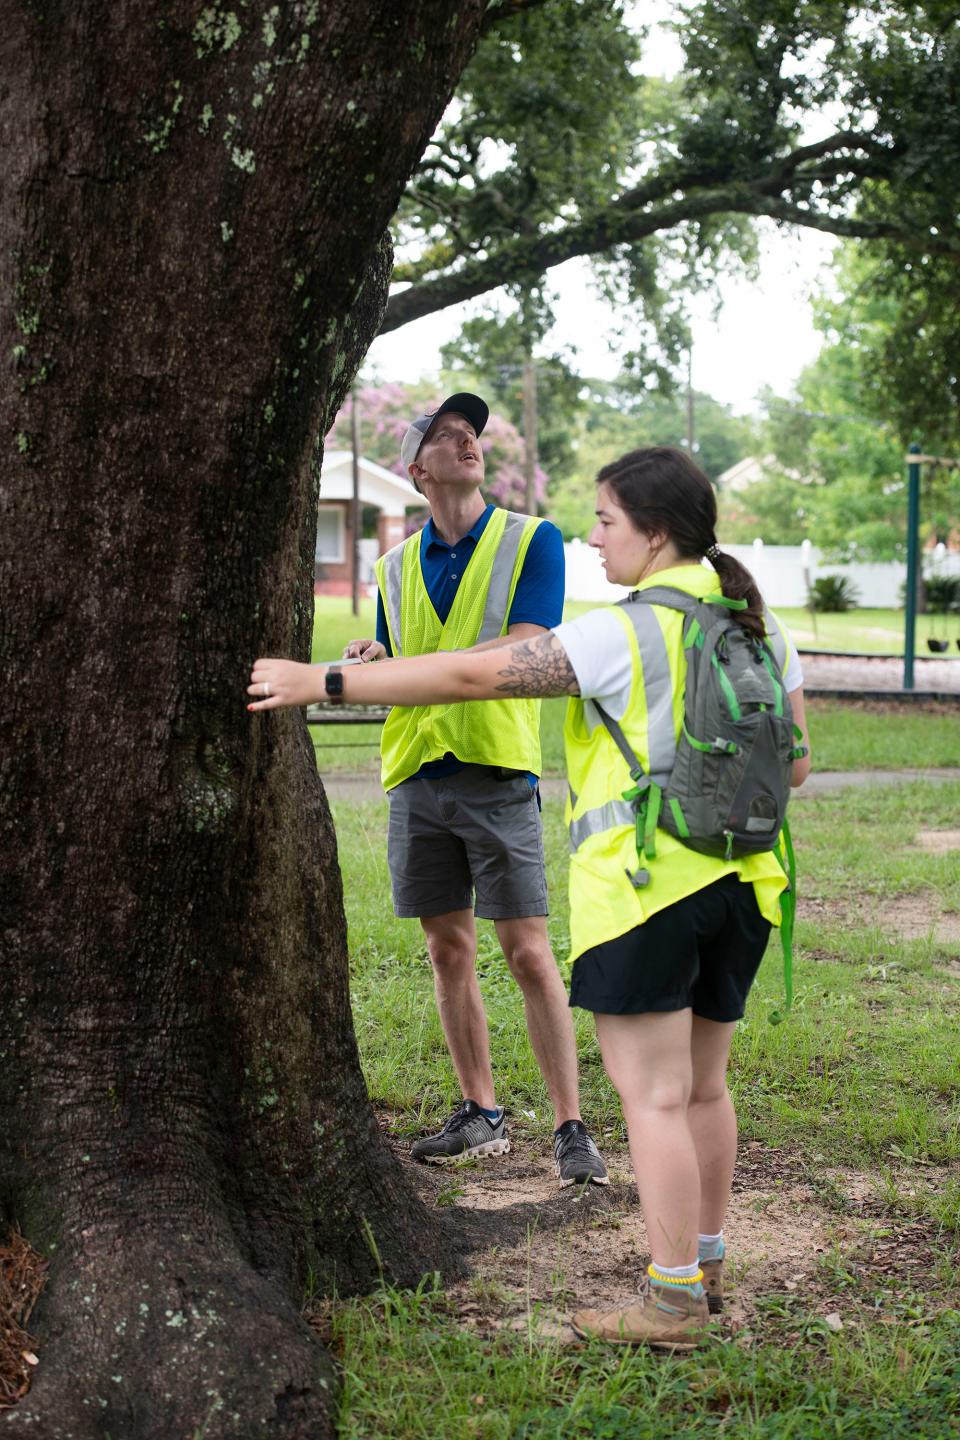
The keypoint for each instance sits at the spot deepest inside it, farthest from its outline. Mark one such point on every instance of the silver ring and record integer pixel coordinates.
(266, 689)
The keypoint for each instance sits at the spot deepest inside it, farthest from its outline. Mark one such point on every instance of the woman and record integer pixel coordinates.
(665, 961)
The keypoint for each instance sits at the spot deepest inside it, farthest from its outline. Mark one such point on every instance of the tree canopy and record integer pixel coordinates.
(816, 113)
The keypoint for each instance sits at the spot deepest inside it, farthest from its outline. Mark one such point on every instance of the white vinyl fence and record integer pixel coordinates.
(777, 569)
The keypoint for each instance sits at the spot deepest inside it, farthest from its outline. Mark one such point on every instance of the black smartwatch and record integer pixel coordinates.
(333, 684)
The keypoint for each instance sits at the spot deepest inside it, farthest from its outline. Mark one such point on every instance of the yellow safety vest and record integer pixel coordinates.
(487, 732)
(603, 901)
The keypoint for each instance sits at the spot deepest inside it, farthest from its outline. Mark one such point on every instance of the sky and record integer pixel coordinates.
(763, 334)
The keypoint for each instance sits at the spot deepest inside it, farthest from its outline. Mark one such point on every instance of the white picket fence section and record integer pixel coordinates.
(777, 569)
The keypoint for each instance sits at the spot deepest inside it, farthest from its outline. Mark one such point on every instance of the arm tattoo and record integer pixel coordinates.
(540, 667)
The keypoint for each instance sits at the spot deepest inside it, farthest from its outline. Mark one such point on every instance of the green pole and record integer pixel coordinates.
(913, 549)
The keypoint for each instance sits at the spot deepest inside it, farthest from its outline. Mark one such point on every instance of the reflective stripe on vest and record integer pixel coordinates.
(495, 610)
(393, 584)
(657, 688)
(661, 735)
(498, 592)
(594, 822)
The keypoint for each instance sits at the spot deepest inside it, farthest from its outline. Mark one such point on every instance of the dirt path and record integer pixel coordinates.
(553, 787)
(857, 672)
(798, 1233)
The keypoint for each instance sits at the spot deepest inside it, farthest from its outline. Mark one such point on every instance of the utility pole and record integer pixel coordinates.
(355, 502)
(530, 431)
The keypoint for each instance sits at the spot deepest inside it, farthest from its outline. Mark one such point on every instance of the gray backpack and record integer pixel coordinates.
(727, 792)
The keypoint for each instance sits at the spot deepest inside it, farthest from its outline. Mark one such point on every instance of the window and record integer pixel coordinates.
(330, 533)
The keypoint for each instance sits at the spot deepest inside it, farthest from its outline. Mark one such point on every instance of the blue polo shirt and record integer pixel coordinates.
(537, 600)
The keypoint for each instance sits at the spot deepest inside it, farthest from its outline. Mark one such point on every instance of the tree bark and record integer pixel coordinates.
(193, 263)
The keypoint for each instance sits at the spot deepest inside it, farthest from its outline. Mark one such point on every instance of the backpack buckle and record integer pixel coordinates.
(638, 790)
(638, 878)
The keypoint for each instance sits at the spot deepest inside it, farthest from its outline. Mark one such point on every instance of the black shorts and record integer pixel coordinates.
(701, 953)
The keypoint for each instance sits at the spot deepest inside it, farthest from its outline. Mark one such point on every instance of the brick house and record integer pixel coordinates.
(384, 500)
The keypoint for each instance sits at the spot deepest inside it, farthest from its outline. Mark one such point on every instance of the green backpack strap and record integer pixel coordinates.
(644, 795)
(788, 912)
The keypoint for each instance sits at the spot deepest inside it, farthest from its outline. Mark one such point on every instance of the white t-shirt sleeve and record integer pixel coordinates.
(793, 675)
(599, 653)
(600, 656)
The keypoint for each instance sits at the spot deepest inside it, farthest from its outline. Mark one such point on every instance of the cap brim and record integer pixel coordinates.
(470, 406)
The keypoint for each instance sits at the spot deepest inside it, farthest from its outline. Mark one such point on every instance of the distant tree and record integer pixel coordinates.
(488, 354)
(614, 417)
(775, 508)
(837, 446)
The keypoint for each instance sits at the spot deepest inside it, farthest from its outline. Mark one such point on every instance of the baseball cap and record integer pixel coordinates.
(471, 406)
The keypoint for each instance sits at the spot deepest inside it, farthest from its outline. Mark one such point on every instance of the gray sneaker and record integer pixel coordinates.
(577, 1157)
(467, 1132)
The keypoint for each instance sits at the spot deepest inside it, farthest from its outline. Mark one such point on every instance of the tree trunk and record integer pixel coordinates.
(193, 263)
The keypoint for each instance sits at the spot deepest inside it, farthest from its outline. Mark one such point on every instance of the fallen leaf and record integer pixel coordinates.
(833, 1320)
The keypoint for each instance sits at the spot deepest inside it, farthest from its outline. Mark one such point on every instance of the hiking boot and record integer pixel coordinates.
(665, 1317)
(577, 1157)
(713, 1284)
(467, 1132)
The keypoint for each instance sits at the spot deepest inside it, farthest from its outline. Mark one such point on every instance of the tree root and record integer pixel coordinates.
(166, 1339)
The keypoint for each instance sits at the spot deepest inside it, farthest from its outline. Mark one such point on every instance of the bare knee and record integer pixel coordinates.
(666, 1097)
(450, 958)
(709, 1091)
(532, 965)
(452, 948)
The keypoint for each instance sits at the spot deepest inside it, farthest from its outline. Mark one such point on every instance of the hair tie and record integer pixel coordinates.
(712, 553)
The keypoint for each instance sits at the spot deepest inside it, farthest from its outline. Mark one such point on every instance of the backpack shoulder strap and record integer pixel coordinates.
(676, 599)
(622, 743)
(668, 595)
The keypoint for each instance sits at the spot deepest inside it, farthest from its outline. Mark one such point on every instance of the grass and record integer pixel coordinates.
(868, 1004)
(843, 738)
(408, 1372)
(863, 1076)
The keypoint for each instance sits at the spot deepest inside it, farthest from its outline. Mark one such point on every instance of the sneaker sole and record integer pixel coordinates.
(491, 1147)
(581, 1179)
(715, 1304)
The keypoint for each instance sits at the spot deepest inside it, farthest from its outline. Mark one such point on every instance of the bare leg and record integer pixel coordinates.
(452, 944)
(549, 1022)
(648, 1059)
(713, 1122)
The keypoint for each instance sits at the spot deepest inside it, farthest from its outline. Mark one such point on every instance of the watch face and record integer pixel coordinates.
(333, 682)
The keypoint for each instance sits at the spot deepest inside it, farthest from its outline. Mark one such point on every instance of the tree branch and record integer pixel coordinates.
(622, 224)
(500, 10)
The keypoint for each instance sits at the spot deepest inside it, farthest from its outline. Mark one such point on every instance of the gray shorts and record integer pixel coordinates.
(464, 832)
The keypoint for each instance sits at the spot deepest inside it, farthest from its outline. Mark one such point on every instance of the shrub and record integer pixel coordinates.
(833, 592)
(943, 593)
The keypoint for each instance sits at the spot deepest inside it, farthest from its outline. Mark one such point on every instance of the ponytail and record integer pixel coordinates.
(665, 493)
(736, 583)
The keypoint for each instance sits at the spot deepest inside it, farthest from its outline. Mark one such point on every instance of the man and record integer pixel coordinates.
(462, 780)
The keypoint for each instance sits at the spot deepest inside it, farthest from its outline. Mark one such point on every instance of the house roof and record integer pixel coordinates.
(390, 493)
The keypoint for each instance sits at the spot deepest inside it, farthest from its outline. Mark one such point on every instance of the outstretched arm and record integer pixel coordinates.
(801, 767)
(533, 668)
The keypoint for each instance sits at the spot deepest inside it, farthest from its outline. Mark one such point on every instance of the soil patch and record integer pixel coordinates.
(940, 842)
(797, 1233)
(907, 917)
